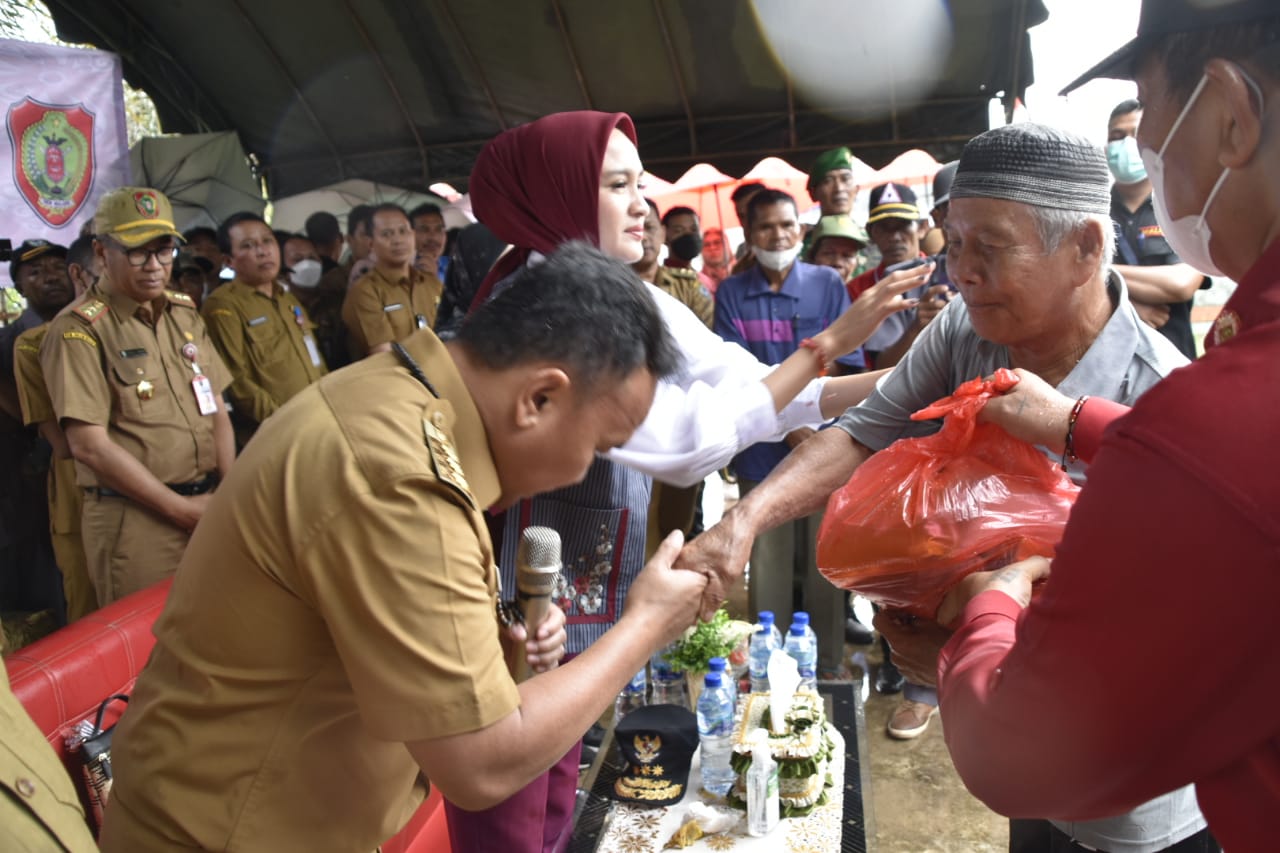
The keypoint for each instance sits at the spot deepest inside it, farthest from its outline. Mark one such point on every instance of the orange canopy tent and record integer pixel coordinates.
(708, 191)
(914, 167)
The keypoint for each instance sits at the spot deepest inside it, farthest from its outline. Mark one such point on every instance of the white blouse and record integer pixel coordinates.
(713, 408)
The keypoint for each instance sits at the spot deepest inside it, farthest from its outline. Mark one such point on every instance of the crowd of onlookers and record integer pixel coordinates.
(283, 308)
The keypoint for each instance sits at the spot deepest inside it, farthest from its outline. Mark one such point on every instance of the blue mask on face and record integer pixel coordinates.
(1125, 161)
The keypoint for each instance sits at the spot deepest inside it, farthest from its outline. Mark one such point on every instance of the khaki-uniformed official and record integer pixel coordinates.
(261, 331)
(136, 384)
(680, 282)
(65, 497)
(39, 808)
(351, 537)
(393, 300)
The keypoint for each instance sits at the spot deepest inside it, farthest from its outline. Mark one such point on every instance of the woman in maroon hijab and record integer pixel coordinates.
(577, 176)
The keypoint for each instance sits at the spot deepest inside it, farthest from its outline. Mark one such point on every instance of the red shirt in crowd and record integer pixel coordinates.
(1151, 659)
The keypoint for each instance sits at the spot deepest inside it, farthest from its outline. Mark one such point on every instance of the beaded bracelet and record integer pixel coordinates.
(1068, 447)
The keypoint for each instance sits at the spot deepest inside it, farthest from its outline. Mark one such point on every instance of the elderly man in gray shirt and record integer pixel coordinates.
(1029, 238)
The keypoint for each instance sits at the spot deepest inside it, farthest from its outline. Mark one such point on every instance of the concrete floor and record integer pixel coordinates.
(920, 804)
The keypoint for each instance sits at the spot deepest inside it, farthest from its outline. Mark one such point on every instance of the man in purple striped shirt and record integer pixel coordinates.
(769, 310)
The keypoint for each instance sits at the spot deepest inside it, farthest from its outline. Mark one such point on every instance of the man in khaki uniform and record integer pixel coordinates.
(351, 535)
(136, 385)
(65, 498)
(680, 282)
(395, 298)
(39, 808)
(261, 331)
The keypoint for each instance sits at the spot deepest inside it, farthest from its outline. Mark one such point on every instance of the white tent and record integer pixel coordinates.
(207, 176)
(290, 213)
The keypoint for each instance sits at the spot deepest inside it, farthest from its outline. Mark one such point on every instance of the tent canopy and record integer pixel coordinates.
(290, 213)
(405, 92)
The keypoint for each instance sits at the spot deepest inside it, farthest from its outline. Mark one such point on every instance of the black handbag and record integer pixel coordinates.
(95, 758)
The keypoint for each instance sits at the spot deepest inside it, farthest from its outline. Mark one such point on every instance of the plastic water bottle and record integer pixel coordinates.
(715, 733)
(727, 680)
(803, 618)
(631, 697)
(668, 685)
(805, 653)
(763, 642)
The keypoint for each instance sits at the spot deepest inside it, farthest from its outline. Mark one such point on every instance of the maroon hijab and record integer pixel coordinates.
(538, 185)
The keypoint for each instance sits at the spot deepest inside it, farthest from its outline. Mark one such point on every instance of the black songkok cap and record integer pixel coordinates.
(1035, 164)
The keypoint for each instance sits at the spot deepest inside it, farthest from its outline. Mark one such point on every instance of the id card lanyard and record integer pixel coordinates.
(206, 400)
(312, 349)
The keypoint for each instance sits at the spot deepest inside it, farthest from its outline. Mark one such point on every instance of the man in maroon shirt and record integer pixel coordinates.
(1177, 524)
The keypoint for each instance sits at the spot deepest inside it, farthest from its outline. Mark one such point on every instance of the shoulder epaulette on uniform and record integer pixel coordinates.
(179, 298)
(682, 272)
(90, 309)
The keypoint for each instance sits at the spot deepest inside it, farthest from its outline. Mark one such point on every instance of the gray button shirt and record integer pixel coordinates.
(1125, 360)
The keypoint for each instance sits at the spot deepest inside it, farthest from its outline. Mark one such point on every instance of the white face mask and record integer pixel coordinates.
(1189, 236)
(306, 273)
(778, 259)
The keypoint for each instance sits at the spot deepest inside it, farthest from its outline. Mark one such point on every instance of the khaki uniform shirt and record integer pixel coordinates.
(267, 342)
(336, 602)
(39, 808)
(105, 363)
(64, 499)
(32, 394)
(380, 311)
(684, 285)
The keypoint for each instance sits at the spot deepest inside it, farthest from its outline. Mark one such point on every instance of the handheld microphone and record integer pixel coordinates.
(537, 567)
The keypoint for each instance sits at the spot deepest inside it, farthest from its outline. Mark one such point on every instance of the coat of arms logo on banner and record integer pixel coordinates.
(53, 165)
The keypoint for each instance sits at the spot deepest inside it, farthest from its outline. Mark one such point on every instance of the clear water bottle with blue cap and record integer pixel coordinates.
(763, 642)
(715, 734)
(631, 697)
(668, 684)
(721, 666)
(804, 650)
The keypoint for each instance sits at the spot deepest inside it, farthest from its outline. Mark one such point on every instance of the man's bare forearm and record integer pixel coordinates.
(1161, 285)
(801, 484)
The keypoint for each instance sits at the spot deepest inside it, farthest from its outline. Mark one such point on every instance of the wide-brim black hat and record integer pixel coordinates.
(1163, 17)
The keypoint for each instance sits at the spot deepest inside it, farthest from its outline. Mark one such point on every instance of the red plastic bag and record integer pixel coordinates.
(921, 514)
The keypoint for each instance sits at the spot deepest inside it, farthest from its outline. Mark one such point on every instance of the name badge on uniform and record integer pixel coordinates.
(394, 306)
(312, 350)
(205, 398)
(258, 321)
(132, 353)
(421, 320)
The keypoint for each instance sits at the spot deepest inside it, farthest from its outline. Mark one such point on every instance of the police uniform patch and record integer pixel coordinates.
(222, 312)
(27, 346)
(73, 335)
(90, 310)
(444, 459)
(1149, 231)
